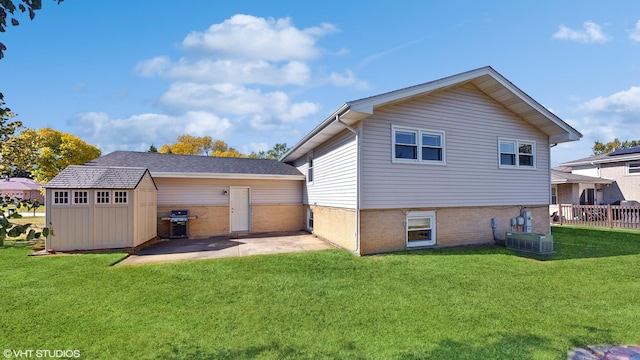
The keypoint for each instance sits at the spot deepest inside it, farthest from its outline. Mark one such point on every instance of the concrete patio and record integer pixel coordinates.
(167, 250)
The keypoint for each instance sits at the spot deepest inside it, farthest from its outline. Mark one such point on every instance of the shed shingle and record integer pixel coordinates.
(97, 177)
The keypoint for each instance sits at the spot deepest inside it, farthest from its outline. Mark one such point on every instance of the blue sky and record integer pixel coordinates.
(123, 75)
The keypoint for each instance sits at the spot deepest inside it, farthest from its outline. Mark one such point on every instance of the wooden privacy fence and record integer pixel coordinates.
(613, 216)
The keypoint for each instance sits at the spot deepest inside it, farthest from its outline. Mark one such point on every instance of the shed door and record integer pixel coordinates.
(240, 207)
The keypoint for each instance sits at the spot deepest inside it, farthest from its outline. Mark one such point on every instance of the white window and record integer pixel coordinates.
(421, 228)
(554, 195)
(310, 219)
(310, 168)
(119, 197)
(417, 145)
(633, 169)
(60, 197)
(516, 154)
(103, 197)
(80, 197)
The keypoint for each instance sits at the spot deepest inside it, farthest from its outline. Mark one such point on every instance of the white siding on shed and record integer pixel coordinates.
(472, 122)
(210, 192)
(334, 173)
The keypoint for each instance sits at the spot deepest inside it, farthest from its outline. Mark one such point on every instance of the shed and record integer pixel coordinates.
(101, 207)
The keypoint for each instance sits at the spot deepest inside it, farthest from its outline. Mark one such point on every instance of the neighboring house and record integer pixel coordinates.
(429, 165)
(94, 207)
(570, 188)
(616, 177)
(225, 195)
(21, 188)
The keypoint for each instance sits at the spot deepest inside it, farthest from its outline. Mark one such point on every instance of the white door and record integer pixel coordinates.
(240, 207)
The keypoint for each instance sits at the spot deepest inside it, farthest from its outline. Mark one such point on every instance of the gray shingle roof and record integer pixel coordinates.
(171, 163)
(97, 177)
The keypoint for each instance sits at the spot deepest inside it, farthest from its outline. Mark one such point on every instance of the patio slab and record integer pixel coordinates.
(226, 246)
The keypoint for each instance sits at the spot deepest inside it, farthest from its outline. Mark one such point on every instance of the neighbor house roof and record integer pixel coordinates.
(97, 177)
(621, 155)
(562, 177)
(19, 184)
(486, 79)
(196, 166)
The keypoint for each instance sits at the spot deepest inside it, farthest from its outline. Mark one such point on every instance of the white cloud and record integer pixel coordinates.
(635, 33)
(140, 131)
(237, 100)
(250, 37)
(591, 33)
(621, 103)
(346, 79)
(603, 118)
(235, 71)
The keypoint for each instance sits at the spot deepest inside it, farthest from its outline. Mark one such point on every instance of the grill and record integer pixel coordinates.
(178, 220)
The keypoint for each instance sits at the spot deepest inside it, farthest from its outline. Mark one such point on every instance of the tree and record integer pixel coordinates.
(189, 145)
(195, 145)
(600, 148)
(8, 9)
(46, 152)
(152, 149)
(275, 153)
(221, 149)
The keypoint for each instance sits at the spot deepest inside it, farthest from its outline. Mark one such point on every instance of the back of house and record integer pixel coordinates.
(430, 165)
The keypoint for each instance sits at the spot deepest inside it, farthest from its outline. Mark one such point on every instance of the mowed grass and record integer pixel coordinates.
(463, 303)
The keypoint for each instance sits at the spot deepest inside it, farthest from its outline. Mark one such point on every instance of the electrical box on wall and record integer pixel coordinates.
(526, 215)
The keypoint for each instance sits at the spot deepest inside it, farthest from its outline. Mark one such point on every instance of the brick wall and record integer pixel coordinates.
(214, 220)
(337, 225)
(384, 230)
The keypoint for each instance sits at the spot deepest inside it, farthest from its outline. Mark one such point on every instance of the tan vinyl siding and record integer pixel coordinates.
(626, 187)
(334, 173)
(472, 123)
(210, 192)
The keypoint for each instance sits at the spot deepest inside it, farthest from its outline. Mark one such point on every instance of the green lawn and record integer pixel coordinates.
(464, 303)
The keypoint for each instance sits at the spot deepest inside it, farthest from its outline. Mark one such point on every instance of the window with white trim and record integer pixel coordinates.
(80, 197)
(310, 168)
(418, 145)
(421, 228)
(103, 197)
(310, 219)
(119, 197)
(516, 154)
(60, 197)
(554, 195)
(633, 168)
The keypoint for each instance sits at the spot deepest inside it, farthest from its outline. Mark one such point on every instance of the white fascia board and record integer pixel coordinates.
(226, 176)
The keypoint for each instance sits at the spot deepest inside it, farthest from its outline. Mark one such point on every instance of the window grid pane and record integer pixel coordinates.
(80, 197)
(119, 197)
(102, 197)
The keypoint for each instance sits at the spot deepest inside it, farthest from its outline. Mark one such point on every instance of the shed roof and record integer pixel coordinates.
(486, 79)
(97, 177)
(191, 166)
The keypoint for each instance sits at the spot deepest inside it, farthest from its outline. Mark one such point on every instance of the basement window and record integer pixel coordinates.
(421, 228)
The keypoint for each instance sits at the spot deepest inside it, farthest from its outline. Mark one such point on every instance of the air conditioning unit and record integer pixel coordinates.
(529, 242)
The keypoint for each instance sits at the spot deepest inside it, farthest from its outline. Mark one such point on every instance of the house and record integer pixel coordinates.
(428, 165)
(616, 178)
(571, 188)
(223, 195)
(21, 188)
(436, 164)
(96, 207)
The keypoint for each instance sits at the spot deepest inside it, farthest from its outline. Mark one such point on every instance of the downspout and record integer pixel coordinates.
(357, 135)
